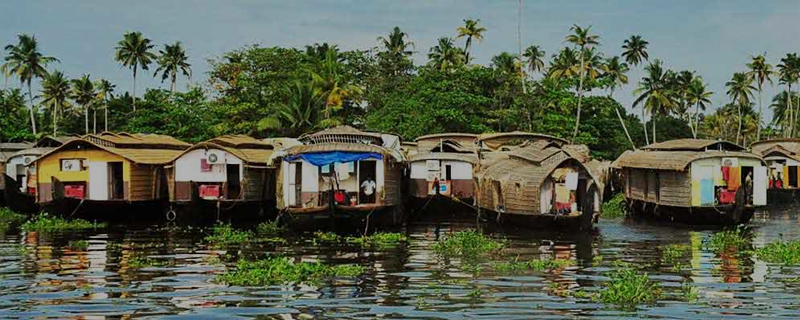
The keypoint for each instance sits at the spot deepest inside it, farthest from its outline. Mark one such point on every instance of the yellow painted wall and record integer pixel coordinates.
(50, 166)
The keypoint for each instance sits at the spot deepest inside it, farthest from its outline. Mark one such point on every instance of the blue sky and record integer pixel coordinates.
(714, 38)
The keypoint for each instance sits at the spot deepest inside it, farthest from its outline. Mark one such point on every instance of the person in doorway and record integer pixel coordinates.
(748, 182)
(368, 190)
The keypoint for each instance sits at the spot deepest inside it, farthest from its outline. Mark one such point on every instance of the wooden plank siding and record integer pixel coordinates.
(142, 183)
(253, 183)
(664, 187)
(391, 183)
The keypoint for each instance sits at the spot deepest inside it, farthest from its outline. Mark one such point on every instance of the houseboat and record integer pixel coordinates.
(223, 178)
(8, 149)
(342, 176)
(442, 168)
(103, 176)
(536, 181)
(782, 157)
(693, 181)
(20, 174)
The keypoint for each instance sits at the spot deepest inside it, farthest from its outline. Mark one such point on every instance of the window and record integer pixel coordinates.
(72, 165)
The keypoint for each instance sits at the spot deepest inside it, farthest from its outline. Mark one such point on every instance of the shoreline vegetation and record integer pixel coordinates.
(279, 91)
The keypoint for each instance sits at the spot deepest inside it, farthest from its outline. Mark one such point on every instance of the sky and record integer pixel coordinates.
(713, 38)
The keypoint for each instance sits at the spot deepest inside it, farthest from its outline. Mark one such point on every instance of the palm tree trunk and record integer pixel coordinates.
(644, 125)
(696, 119)
(739, 131)
(580, 95)
(519, 45)
(788, 130)
(86, 117)
(758, 123)
(33, 116)
(94, 120)
(134, 88)
(106, 121)
(622, 122)
(466, 49)
(55, 121)
(172, 84)
(653, 119)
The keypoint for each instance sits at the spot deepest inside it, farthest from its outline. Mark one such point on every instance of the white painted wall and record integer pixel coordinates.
(788, 161)
(460, 170)
(98, 180)
(187, 167)
(311, 179)
(11, 168)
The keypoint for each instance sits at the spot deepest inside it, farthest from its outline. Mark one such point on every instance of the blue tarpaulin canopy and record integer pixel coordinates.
(325, 158)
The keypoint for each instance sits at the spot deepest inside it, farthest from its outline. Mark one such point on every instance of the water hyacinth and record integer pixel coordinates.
(9, 219)
(531, 265)
(628, 289)
(787, 253)
(224, 235)
(731, 240)
(46, 223)
(282, 270)
(379, 240)
(468, 244)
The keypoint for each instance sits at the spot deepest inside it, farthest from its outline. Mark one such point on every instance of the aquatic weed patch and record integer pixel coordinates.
(325, 237)
(467, 244)
(46, 223)
(379, 240)
(628, 289)
(538, 265)
(282, 270)
(269, 229)
(10, 219)
(78, 245)
(615, 208)
(224, 234)
(730, 240)
(787, 253)
(673, 254)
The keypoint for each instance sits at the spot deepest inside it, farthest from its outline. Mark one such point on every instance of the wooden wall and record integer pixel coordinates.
(664, 187)
(143, 182)
(392, 181)
(253, 183)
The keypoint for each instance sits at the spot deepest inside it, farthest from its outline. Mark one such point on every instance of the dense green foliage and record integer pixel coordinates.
(379, 240)
(787, 253)
(616, 207)
(282, 270)
(730, 241)
(627, 289)
(534, 265)
(224, 234)
(467, 244)
(46, 223)
(9, 219)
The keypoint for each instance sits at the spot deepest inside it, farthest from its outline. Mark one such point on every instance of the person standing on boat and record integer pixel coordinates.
(368, 190)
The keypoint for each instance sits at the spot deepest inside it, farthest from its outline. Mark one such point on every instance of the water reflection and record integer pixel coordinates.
(138, 271)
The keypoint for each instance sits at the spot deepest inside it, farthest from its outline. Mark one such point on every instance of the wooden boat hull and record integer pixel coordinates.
(206, 211)
(541, 221)
(782, 197)
(439, 203)
(109, 210)
(17, 200)
(722, 215)
(342, 217)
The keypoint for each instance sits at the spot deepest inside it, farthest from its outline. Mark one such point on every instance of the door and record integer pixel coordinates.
(295, 183)
(760, 186)
(234, 181)
(98, 177)
(367, 182)
(116, 181)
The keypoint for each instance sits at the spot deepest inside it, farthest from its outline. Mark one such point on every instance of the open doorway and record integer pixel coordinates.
(117, 185)
(233, 181)
(366, 181)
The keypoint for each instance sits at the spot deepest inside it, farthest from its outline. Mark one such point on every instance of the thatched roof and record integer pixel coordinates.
(280, 143)
(465, 157)
(445, 136)
(137, 148)
(791, 145)
(672, 160)
(32, 152)
(250, 150)
(694, 145)
(52, 142)
(520, 135)
(7, 149)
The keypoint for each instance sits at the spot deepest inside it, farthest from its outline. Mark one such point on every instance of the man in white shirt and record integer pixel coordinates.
(368, 187)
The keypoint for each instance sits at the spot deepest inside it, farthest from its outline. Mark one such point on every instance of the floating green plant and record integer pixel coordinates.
(673, 254)
(615, 208)
(690, 293)
(269, 229)
(78, 245)
(224, 234)
(10, 219)
(379, 240)
(531, 265)
(628, 289)
(736, 239)
(787, 253)
(282, 270)
(138, 262)
(467, 244)
(326, 237)
(46, 223)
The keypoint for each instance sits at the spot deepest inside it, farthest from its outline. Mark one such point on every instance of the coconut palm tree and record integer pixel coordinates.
(472, 30)
(698, 96)
(506, 63)
(762, 72)
(335, 86)
(680, 83)
(84, 94)
(635, 50)
(655, 93)
(55, 93)
(740, 90)
(616, 71)
(300, 113)
(25, 60)
(788, 73)
(534, 58)
(397, 49)
(564, 64)
(133, 51)
(173, 59)
(781, 110)
(105, 91)
(444, 55)
(5, 70)
(583, 39)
